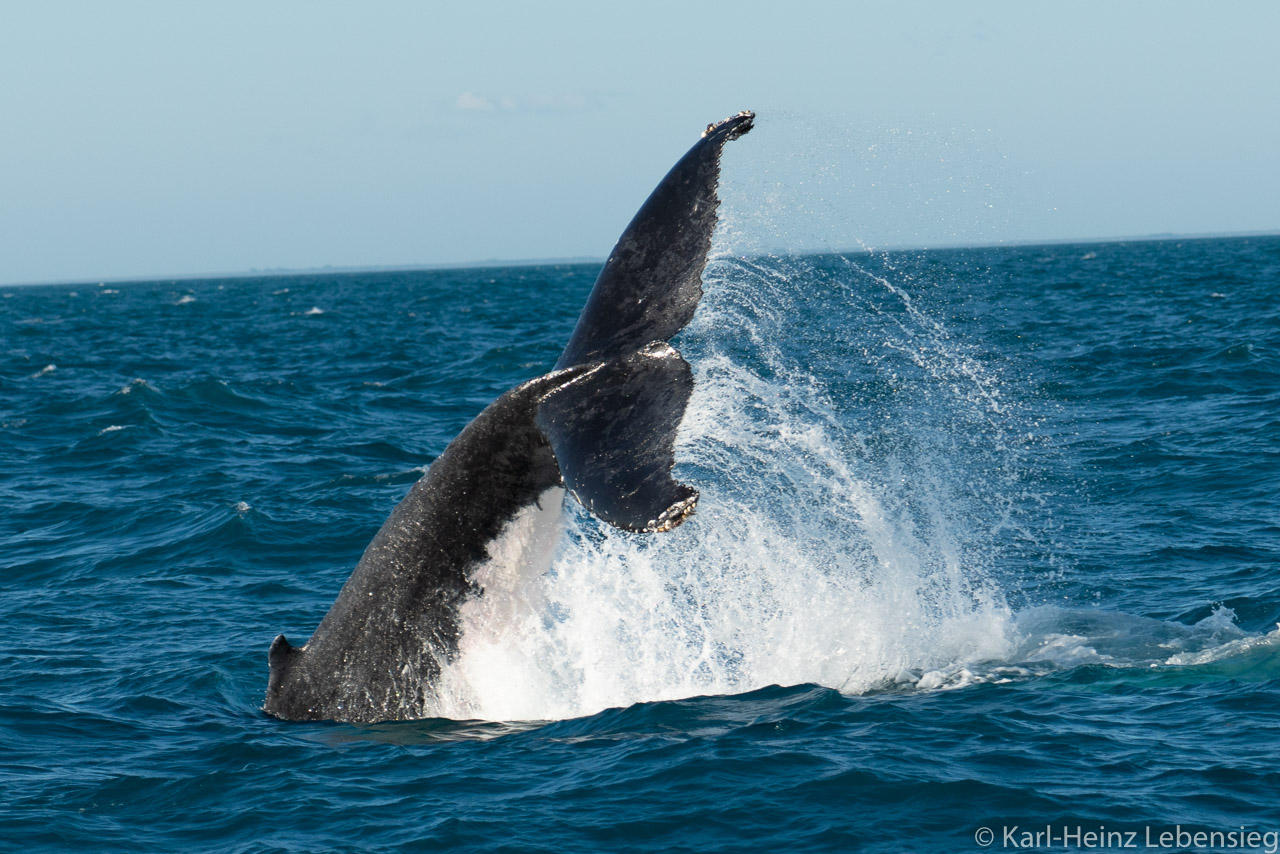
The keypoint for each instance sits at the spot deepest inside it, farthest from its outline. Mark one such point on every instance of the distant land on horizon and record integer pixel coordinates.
(500, 263)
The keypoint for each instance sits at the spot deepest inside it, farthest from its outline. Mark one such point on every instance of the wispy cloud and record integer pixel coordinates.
(469, 101)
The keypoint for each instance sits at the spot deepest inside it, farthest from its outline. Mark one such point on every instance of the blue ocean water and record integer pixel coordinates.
(989, 539)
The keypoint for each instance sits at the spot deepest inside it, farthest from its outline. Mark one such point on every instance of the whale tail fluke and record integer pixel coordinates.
(652, 280)
(603, 424)
(613, 429)
(613, 432)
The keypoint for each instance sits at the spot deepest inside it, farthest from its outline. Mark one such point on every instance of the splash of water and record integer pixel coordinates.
(826, 548)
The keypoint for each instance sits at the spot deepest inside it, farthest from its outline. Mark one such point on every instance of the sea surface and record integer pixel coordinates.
(988, 543)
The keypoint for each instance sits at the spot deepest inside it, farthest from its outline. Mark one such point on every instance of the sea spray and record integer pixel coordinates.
(836, 541)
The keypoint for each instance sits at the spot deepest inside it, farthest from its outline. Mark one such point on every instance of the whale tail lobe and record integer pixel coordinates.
(652, 280)
(613, 430)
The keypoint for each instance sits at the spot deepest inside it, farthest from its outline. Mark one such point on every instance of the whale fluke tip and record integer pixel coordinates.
(732, 127)
(673, 516)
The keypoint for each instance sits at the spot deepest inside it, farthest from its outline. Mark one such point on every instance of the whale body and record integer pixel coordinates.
(600, 426)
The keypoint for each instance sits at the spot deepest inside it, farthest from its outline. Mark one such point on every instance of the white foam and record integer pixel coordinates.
(803, 563)
(1269, 642)
(491, 638)
(136, 383)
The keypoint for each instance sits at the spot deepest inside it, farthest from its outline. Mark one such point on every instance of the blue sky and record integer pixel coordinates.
(151, 139)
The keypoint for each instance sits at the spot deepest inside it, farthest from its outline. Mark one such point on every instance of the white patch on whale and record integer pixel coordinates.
(512, 590)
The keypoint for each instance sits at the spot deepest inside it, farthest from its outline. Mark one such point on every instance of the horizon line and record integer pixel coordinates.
(500, 263)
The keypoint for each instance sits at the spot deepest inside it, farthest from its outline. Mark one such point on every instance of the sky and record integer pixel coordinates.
(153, 139)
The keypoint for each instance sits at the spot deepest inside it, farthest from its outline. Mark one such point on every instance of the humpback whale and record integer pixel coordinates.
(601, 426)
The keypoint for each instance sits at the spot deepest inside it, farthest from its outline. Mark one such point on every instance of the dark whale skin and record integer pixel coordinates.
(602, 424)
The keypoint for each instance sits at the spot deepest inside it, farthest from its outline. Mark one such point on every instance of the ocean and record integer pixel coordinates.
(987, 558)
